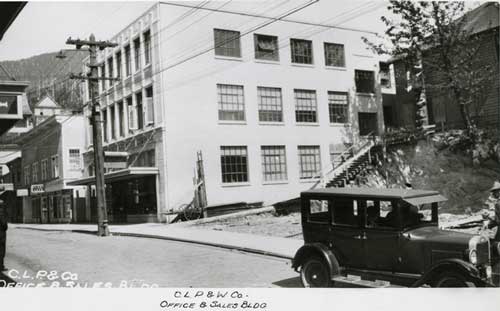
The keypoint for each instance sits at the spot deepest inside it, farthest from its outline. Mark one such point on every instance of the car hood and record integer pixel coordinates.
(434, 235)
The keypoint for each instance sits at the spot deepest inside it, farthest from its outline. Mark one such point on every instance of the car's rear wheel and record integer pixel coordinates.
(315, 273)
(452, 279)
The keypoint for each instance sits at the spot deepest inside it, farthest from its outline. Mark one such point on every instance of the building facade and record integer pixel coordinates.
(267, 109)
(51, 156)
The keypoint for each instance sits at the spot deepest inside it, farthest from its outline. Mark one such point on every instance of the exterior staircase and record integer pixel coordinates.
(355, 161)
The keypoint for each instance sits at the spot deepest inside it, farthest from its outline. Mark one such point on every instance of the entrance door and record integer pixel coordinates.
(367, 123)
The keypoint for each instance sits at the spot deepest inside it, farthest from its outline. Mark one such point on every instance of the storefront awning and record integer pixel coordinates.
(128, 173)
(425, 199)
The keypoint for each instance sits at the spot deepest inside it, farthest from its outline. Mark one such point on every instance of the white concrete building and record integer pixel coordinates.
(267, 108)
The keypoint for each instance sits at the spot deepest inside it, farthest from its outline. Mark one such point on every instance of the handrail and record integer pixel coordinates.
(320, 173)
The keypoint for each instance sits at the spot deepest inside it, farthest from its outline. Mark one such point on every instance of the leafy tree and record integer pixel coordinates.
(434, 37)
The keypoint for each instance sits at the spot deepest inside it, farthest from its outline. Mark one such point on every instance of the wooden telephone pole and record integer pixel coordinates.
(92, 78)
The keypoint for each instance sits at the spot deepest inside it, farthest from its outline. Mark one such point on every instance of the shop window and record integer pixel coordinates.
(365, 81)
(227, 43)
(305, 106)
(231, 102)
(301, 51)
(266, 47)
(273, 163)
(234, 164)
(338, 107)
(270, 104)
(149, 107)
(140, 111)
(309, 161)
(334, 55)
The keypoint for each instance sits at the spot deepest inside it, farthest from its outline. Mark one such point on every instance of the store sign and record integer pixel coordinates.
(22, 192)
(37, 189)
(115, 165)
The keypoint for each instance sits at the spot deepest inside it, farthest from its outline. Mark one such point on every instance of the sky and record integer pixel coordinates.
(43, 27)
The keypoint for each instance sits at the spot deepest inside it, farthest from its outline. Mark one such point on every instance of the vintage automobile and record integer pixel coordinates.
(370, 237)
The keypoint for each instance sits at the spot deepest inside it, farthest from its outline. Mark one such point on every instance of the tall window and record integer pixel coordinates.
(231, 102)
(270, 104)
(149, 107)
(305, 106)
(34, 171)
(121, 119)
(128, 68)
(273, 163)
(111, 72)
(44, 170)
(104, 125)
(266, 47)
(55, 166)
(118, 65)
(338, 107)
(227, 43)
(301, 51)
(309, 161)
(147, 47)
(365, 81)
(27, 175)
(112, 121)
(132, 114)
(137, 54)
(140, 111)
(74, 159)
(334, 55)
(234, 164)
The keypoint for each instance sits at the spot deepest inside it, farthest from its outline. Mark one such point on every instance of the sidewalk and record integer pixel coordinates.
(265, 245)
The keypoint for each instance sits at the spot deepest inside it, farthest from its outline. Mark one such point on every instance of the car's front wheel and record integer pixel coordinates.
(452, 279)
(315, 273)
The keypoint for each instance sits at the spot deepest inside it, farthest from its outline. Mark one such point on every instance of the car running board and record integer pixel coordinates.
(356, 281)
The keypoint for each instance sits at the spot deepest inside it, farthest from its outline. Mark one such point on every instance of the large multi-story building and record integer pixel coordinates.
(267, 108)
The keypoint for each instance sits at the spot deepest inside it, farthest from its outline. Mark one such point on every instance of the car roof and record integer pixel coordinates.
(382, 193)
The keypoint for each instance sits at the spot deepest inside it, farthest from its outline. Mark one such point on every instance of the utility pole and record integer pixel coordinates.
(92, 78)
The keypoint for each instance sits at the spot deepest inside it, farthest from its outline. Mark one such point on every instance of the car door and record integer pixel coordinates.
(316, 220)
(347, 234)
(382, 234)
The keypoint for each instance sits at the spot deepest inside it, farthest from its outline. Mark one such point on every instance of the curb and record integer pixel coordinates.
(195, 222)
(159, 237)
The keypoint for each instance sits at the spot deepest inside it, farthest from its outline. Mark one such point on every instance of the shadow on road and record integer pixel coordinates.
(289, 283)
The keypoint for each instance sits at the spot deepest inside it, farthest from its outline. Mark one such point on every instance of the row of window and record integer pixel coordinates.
(46, 170)
(139, 115)
(231, 104)
(234, 163)
(146, 50)
(227, 43)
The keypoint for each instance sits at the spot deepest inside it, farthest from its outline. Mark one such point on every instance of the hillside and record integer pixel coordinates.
(49, 75)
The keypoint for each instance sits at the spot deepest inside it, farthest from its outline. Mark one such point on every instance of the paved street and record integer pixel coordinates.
(138, 261)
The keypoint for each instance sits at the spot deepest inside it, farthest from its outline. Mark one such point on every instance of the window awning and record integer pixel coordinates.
(128, 173)
(425, 199)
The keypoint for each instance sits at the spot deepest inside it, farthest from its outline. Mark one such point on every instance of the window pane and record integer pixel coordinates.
(338, 107)
(227, 43)
(309, 161)
(266, 47)
(273, 163)
(301, 51)
(270, 104)
(234, 164)
(231, 102)
(365, 81)
(305, 106)
(334, 55)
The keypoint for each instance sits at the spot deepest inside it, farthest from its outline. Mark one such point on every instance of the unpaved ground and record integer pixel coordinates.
(289, 226)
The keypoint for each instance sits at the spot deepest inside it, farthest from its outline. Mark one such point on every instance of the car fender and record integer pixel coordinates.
(317, 249)
(454, 265)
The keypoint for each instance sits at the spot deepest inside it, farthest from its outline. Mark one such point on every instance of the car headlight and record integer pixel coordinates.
(473, 257)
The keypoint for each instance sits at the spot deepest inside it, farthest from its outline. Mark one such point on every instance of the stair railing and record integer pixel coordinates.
(347, 157)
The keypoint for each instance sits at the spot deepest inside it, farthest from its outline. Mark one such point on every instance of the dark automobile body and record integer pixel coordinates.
(346, 228)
